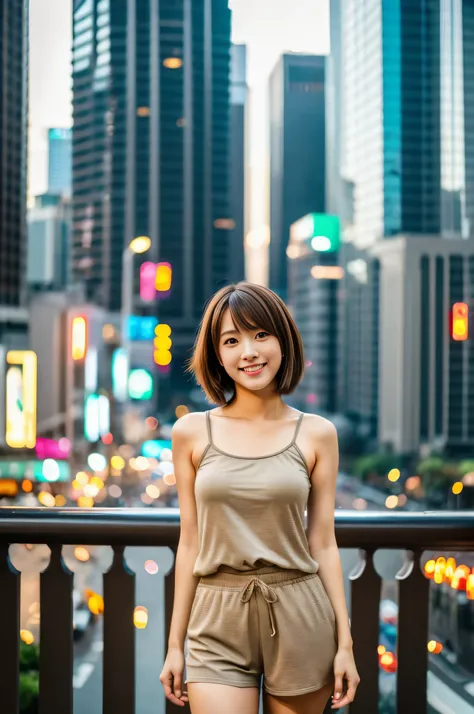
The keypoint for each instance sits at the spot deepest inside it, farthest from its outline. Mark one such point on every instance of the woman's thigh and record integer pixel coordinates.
(207, 698)
(310, 703)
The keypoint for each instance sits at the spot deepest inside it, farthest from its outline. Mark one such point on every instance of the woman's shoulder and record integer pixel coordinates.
(319, 426)
(187, 426)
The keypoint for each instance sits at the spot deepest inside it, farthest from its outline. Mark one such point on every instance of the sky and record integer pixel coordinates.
(267, 27)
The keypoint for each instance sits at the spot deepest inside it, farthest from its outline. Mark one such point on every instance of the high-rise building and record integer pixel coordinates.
(457, 119)
(150, 149)
(237, 155)
(297, 153)
(426, 349)
(13, 148)
(59, 161)
(49, 235)
(386, 70)
(407, 151)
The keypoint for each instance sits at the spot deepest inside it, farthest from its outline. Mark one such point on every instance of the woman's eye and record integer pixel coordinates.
(228, 340)
(265, 334)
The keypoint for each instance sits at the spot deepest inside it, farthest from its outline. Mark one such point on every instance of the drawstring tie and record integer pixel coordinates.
(268, 593)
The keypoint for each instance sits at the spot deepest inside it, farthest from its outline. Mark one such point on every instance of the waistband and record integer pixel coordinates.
(271, 575)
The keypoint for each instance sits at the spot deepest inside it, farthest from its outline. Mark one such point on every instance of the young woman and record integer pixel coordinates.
(254, 594)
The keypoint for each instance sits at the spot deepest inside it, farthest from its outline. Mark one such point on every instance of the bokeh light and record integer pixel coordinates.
(393, 475)
(140, 617)
(82, 554)
(391, 501)
(151, 567)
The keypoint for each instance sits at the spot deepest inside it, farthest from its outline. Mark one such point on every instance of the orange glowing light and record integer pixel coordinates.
(163, 277)
(440, 567)
(470, 586)
(79, 338)
(27, 486)
(449, 570)
(459, 579)
(434, 647)
(388, 662)
(429, 568)
(460, 321)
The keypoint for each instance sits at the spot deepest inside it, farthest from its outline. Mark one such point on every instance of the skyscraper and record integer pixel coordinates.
(13, 146)
(59, 161)
(387, 54)
(237, 154)
(297, 152)
(150, 148)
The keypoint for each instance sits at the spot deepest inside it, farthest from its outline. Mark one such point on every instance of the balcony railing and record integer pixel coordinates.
(368, 531)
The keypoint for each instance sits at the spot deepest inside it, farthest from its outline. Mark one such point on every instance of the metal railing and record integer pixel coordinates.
(367, 531)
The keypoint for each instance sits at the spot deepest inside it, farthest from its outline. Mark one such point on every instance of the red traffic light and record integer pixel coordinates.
(459, 321)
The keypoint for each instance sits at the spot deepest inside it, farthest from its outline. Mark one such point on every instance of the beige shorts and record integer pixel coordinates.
(271, 622)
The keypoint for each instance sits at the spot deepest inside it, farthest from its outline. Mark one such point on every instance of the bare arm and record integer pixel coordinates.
(185, 582)
(323, 548)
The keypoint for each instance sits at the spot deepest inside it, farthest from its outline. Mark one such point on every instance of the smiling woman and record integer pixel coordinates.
(246, 326)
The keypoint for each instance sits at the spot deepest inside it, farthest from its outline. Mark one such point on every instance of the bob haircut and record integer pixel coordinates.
(251, 306)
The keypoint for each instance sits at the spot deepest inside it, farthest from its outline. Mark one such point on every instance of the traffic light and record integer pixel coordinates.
(163, 277)
(459, 321)
(162, 344)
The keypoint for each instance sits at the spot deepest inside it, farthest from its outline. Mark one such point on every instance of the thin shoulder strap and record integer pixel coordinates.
(300, 419)
(209, 430)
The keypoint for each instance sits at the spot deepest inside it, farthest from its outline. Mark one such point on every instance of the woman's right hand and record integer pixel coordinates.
(171, 677)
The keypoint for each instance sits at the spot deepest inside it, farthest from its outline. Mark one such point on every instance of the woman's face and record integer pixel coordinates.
(251, 358)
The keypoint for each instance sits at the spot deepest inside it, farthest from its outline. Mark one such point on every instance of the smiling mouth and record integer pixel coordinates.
(253, 368)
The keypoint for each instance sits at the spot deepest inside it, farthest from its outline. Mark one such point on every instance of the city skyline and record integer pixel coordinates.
(266, 29)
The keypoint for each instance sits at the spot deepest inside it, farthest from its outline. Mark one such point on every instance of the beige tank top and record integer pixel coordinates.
(251, 509)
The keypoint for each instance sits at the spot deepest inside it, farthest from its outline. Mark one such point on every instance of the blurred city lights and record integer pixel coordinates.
(117, 462)
(97, 482)
(402, 499)
(27, 486)
(162, 344)
(434, 647)
(140, 617)
(107, 439)
(381, 649)
(51, 470)
(460, 576)
(97, 462)
(46, 499)
(151, 567)
(412, 483)
(91, 491)
(95, 603)
(393, 475)
(360, 504)
(163, 277)
(146, 499)
(115, 491)
(85, 502)
(82, 478)
(470, 586)
(169, 479)
(120, 374)
(391, 501)
(327, 272)
(147, 281)
(153, 491)
(108, 332)
(388, 662)
(27, 637)
(20, 399)
(457, 488)
(82, 554)
(79, 338)
(460, 321)
(181, 410)
(151, 423)
(140, 244)
(429, 568)
(60, 500)
(172, 62)
(140, 384)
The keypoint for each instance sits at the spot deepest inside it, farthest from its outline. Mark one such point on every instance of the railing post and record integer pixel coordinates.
(169, 597)
(56, 639)
(413, 616)
(365, 605)
(9, 633)
(119, 637)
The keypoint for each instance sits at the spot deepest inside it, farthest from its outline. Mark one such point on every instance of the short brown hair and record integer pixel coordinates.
(251, 306)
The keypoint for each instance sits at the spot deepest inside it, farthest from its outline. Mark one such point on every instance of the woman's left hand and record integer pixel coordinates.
(344, 668)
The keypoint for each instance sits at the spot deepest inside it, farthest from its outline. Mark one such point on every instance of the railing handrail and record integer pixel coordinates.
(368, 530)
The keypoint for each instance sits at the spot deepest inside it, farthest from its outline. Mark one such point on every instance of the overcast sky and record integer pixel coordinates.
(267, 27)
